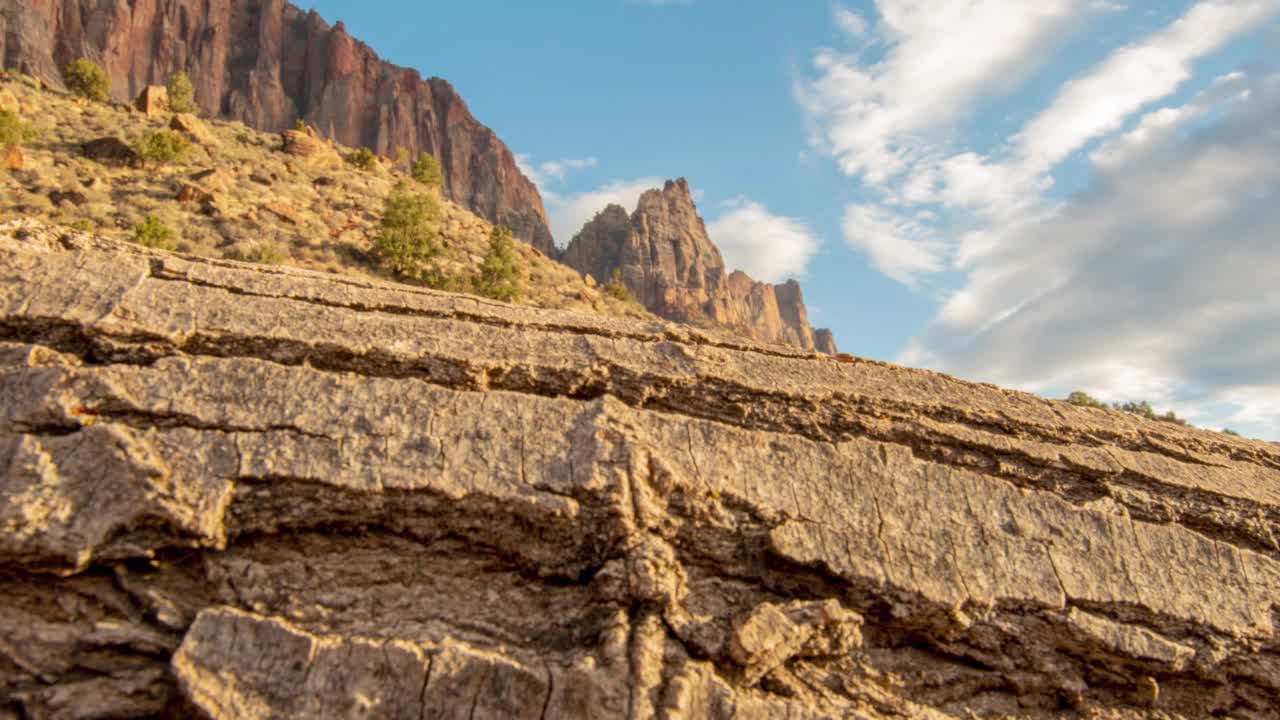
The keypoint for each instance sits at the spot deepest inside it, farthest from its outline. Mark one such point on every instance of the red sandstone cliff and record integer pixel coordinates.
(267, 63)
(675, 270)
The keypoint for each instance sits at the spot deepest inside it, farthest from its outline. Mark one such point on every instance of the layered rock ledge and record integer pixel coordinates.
(243, 492)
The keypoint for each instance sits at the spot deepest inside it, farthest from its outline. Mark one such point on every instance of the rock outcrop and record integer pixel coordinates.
(243, 492)
(268, 63)
(668, 261)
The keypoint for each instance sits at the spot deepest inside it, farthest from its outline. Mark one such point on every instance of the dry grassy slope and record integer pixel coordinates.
(267, 196)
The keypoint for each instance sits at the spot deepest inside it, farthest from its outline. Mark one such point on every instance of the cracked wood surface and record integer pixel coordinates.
(238, 492)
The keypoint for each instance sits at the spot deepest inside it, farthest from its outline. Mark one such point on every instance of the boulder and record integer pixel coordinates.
(9, 101)
(112, 151)
(71, 197)
(153, 101)
(12, 157)
(192, 127)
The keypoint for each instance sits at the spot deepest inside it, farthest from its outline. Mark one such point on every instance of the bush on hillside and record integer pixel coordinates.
(87, 79)
(502, 272)
(14, 131)
(162, 146)
(182, 95)
(363, 159)
(1141, 407)
(409, 231)
(1084, 399)
(427, 171)
(153, 233)
(617, 287)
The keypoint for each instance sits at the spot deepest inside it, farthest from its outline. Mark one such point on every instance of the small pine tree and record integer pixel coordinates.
(502, 272)
(427, 171)
(182, 95)
(617, 287)
(407, 237)
(14, 131)
(87, 79)
(153, 233)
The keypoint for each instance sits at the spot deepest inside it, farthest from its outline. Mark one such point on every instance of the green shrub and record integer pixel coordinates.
(264, 253)
(1084, 399)
(408, 234)
(162, 146)
(617, 287)
(502, 272)
(14, 131)
(87, 79)
(427, 171)
(363, 159)
(153, 233)
(182, 95)
(83, 225)
(1232, 433)
(300, 125)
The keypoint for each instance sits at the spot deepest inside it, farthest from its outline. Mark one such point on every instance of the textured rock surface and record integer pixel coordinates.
(243, 492)
(676, 271)
(267, 63)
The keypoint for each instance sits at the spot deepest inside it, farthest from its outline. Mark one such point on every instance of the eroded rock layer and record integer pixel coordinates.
(244, 492)
(268, 63)
(664, 256)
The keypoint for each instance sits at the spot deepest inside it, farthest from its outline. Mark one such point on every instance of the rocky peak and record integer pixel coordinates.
(267, 63)
(675, 270)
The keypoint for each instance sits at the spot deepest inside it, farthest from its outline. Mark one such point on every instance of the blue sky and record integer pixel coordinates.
(1049, 195)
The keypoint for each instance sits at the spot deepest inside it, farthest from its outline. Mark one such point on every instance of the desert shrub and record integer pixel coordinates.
(153, 233)
(363, 159)
(83, 225)
(1084, 399)
(162, 146)
(87, 79)
(407, 237)
(264, 253)
(182, 95)
(438, 279)
(427, 171)
(300, 125)
(502, 272)
(1232, 433)
(14, 131)
(617, 287)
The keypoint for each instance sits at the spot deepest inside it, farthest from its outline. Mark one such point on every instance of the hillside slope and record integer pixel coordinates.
(235, 491)
(239, 194)
(267, 63)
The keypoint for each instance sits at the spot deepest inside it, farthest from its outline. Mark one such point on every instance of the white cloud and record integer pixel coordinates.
(1099, 102)
(768, 247)
(943, 55)
(849, 21)
(546, 173)
(899, 246)
(1158, 283)
(568, 213)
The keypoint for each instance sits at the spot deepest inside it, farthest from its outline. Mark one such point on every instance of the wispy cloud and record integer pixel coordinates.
(768, 247)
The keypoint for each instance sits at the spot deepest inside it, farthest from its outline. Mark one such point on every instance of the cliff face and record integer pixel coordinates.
(667, 259)
(219, 502)
(267, 63)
